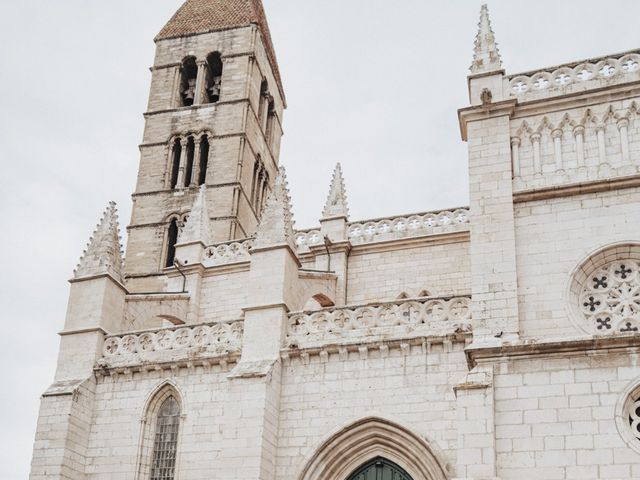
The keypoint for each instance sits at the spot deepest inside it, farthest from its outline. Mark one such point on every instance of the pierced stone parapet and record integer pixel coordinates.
(576, 77)
(434, 316)
(412, 226)
(171, 344)
(307, 238)
(228, 252)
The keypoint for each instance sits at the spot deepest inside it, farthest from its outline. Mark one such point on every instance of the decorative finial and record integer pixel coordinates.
(104, 252)
(486, 57)
(336, 205)
(276, 224)
(196, 229)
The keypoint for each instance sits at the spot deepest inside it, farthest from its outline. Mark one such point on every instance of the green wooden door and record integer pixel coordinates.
(380, 469)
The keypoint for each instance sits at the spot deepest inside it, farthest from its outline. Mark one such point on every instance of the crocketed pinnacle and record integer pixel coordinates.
(276, 224)
(336, 205)
(196, 229)
(104, 252)
(486, 57)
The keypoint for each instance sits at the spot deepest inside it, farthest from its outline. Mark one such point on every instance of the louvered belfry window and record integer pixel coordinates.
(166, 441)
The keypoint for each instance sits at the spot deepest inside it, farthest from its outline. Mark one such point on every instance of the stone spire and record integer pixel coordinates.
(336, 204)
(276, 224)
(196, 228)
(104, 252)
(486, 57)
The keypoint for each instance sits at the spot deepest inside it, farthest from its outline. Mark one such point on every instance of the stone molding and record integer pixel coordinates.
(481, 353)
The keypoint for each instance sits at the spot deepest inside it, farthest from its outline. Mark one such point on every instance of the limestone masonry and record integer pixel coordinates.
(493, 341)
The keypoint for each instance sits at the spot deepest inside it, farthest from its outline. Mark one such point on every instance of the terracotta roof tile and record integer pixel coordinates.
(201, 16)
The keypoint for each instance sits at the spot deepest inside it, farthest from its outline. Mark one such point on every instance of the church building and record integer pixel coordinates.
(494, 341)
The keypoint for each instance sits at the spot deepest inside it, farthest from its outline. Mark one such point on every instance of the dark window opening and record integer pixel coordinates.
(175, 162)
(214, 77)
(262, 105)
(165, 442)
(172, 239)
(204, 160)
(189, 166)
(188, 80)
(271, 116)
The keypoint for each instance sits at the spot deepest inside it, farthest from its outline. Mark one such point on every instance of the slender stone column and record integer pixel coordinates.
(195, 170)
(602, 153)
(557, 148)
(623, 128)
(535, 140)
(515, 155)
(578, 132)
(200, 80)
(183, 161)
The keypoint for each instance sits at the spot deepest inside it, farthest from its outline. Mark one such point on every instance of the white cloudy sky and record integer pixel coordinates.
(373, 84)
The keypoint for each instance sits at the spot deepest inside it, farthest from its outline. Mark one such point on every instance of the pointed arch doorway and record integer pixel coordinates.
(379, 469)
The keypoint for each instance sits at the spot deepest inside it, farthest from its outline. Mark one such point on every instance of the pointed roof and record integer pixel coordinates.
(104, 252)
(196, 228)
(276, 223)
(203, 16)
(336, 205)
(486, 57)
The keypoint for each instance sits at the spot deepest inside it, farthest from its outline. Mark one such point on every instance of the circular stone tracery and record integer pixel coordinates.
(610, 297)
(633, 414)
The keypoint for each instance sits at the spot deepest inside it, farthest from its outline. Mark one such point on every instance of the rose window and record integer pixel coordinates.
(610, 297)
(633, 413)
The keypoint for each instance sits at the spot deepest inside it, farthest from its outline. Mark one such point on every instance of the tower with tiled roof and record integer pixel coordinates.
(214, 118)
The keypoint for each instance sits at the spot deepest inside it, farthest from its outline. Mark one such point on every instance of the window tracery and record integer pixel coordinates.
(165, 442)
(610, 300)
(605, 291)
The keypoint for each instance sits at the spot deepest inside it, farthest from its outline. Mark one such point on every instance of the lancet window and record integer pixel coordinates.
(188, 160)
(188, 81)
(213, 84)
(260, 185)
(160, 436)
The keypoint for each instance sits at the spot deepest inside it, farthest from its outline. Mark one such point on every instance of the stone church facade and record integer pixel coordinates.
(494, 341)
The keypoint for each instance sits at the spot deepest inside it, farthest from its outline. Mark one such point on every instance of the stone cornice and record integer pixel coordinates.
(411, 242)
(96, 277)
(478, 353)
(604, 185)
(64, 333)
(483, 112)
(364, 347)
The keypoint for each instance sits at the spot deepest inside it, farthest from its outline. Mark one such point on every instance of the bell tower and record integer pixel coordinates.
(214, 119)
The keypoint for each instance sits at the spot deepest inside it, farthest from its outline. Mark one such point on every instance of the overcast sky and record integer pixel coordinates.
(372, 84)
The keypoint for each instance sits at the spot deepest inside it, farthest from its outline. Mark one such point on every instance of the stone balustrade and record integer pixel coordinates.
(376, 322)
(576, 77)
(369, 231)
(228, 252)
(410, 226)
(174, 343)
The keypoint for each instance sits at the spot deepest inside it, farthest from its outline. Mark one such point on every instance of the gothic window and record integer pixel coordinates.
(188, 171)
(257, 184)
(172, 239)
(159, 446)
(214, 77)
(204, 159)
(607, 291)
(380, 469)
(264, 189)
(188, 81)
(165, 441)
(263, 104)
(271, 117)
(176, 153)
